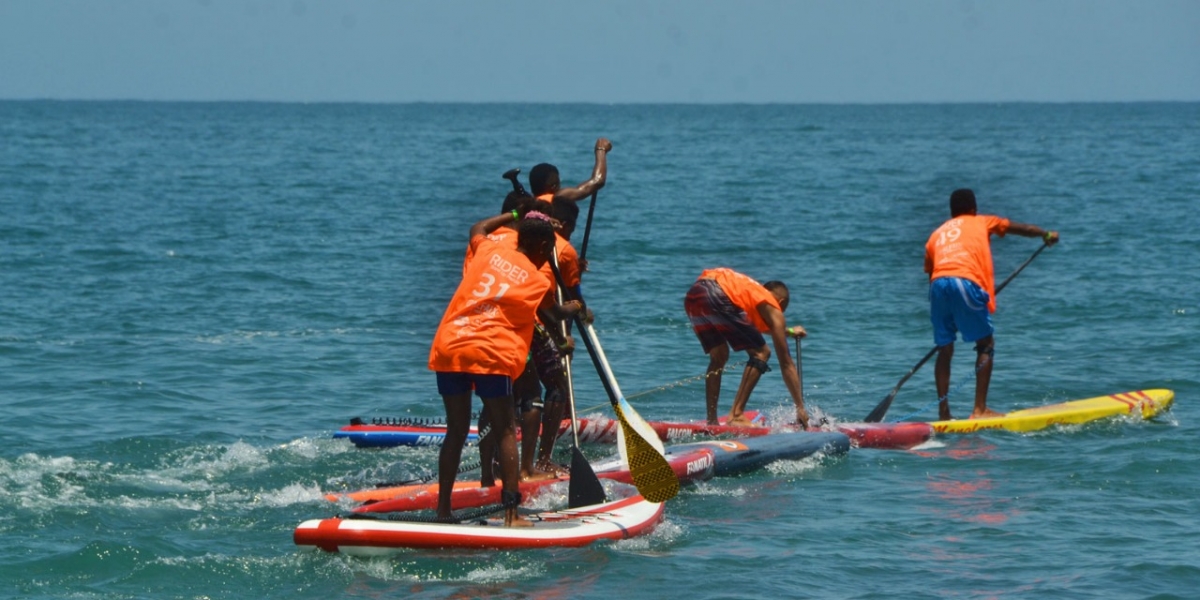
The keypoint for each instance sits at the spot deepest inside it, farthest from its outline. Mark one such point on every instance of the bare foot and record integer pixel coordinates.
(512, 519)
(550, 467)
(739, 421)
(986, 414)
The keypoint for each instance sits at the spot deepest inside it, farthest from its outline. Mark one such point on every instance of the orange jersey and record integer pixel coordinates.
(744, 292)
(487, 327)
(568, 261)
(507, 235)
(962, 247)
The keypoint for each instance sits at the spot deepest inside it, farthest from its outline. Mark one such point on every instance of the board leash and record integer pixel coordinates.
(953, 391)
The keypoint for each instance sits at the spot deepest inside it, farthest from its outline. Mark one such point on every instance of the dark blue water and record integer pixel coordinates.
(194, 296)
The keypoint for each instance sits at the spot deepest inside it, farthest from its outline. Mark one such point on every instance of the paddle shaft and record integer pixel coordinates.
(881, 409)
(566, 359)
(587, 230)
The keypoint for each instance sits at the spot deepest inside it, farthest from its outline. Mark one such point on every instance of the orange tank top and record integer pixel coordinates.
(744, 292)
(488, 324)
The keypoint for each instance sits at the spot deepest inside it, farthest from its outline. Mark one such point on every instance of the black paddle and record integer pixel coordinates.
(511, 175)
(881, 409)
(587, 230)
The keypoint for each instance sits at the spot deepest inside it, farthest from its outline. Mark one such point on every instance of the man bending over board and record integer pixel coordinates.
(727, 308)
(962, 295)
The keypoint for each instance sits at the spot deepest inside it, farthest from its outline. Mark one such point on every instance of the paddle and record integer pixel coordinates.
(584, 488)
(642, 449)
(881, 409)
(587, 229)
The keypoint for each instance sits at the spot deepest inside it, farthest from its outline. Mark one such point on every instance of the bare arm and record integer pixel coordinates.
(599, 176)
(554, 314)
(779, 336)
(1026, 230)
(491, 224)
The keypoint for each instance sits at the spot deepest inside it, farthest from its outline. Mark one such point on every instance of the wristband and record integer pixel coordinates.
(1047, 236)
(790, 331)
(516, 215)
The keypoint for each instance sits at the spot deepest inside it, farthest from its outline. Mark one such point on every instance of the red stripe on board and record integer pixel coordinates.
(327, 526)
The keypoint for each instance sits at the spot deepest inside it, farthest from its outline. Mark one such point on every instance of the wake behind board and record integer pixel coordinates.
(387, 433)
(616, 520)
(696, 461)
(1143, 403)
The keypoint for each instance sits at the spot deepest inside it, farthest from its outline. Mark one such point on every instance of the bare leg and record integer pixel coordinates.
(717, 357)
(531, 424)
(458, 424)
(983, 365)
(505, 425)
(551, 421)
(941, 377)
(750, 377)
(527, 387)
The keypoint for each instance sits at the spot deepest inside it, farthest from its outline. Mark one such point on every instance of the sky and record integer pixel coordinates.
(603, 51)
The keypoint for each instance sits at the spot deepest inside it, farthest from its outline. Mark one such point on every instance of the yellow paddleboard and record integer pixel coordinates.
(1145, 402)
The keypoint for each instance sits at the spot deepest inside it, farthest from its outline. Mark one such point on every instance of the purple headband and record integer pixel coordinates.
(533, 214)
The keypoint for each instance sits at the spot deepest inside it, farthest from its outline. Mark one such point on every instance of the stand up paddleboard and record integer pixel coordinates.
(1143, 403)
(404, 432)
(387, 433)
(690, 462)
(361, 536)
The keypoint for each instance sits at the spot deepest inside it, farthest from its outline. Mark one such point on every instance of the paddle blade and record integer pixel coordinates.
(585, 488)
(880, 410)
(651, 473)
(638, 424)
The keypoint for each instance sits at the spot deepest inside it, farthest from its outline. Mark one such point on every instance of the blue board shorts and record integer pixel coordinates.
(486, 386)
(957, 304)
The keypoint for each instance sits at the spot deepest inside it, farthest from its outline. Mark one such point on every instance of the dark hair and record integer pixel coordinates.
(532, 233)
(518, 201)
(543, 207)
(774, 285)
(539, 177)
(962, 201)
(567, 213)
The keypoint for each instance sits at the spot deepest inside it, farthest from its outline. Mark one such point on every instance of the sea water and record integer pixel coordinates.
(193, 297)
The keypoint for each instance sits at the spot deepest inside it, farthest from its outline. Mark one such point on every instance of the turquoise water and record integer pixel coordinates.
(193, 297)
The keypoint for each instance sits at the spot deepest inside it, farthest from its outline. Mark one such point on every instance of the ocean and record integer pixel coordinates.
(195, 296)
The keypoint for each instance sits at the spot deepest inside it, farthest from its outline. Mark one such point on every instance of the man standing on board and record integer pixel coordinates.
(483, 340)
(727, 308)
(962, 295)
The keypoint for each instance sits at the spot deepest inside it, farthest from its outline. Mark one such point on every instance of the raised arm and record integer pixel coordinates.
(598, 179)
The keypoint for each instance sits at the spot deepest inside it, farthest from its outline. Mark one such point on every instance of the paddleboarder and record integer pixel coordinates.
(962, 296)
(483, 340)
(544, 179)
(729, 309)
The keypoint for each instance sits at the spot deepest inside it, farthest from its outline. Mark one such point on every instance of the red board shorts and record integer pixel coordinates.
(716, 320)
